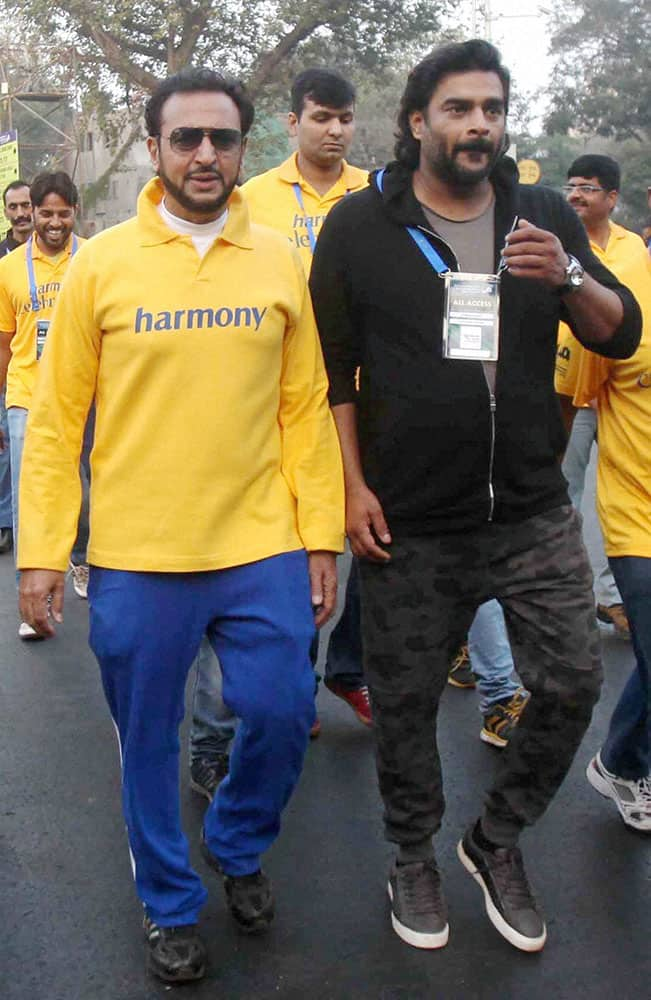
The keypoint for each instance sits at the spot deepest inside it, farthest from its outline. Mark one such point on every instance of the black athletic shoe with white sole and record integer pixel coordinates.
(174, 954)
(510, 904)
(418, 911)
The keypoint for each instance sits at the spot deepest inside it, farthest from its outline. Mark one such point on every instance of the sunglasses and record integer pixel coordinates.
(187, 138)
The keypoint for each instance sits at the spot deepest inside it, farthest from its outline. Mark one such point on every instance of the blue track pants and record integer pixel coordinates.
(145, 630)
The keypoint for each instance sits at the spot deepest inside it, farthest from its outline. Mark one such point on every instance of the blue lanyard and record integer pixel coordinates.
(30, 271)
(308, 220)
(421, 241)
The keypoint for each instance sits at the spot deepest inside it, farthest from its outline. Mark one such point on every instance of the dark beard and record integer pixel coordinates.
(447, 168)
(203, 207)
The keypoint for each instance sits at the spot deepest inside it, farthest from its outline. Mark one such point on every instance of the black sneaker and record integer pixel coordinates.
(175, 954)
(249, 897)
(510, 904)
(418, 912)
(207, 775)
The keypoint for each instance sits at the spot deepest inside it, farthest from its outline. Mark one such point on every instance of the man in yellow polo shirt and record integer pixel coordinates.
(296, 197)
(30, 279)
(592, 189)
(622, 392)
(216, 500)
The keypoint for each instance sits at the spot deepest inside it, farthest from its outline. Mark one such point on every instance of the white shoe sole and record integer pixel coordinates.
(604, 787)
(416, 938)
(499, 923)
(495, 741)
(30, 636)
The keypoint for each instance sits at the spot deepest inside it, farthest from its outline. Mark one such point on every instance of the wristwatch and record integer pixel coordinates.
(574, 275)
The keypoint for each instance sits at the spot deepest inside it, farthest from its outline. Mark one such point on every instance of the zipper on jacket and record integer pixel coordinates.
(491, 490)
(491, 394)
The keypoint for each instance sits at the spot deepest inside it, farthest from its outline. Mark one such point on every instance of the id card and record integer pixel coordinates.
(41, 335)
(471, 315)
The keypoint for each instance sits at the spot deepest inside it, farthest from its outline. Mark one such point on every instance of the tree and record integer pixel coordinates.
(128, 46)
(603, 68)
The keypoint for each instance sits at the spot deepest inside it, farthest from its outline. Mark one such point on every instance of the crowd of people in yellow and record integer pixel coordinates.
(249, 373)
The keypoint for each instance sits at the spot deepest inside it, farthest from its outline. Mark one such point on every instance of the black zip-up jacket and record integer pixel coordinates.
(439, 457)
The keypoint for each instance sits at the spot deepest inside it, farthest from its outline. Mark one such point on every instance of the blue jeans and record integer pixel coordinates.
(6, 519)
(627, 750)
(575, 464)
(17, 420)
(145, 630)
(344, 655)
(490, 656)
(213, 723)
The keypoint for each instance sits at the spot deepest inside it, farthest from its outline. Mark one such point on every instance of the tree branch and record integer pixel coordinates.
(269, 61)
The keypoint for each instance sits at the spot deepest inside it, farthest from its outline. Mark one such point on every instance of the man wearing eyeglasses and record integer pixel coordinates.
(217, 500)
(614, 397)
(592, 190)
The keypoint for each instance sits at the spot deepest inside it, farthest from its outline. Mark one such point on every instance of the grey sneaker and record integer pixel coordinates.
(632, 798)
(510, 904)
(418, 912)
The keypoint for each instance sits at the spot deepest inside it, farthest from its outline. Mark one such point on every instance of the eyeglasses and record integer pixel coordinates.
(187, 138)
(583, 188)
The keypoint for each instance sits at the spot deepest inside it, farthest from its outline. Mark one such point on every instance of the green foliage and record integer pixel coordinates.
(123, 45)
(555, 154)
(268, 145)
(602, 79)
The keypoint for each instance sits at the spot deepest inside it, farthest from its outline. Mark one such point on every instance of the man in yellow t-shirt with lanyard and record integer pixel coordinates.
(622, 391)
(30, 279)
(294, 199)
(592, 189)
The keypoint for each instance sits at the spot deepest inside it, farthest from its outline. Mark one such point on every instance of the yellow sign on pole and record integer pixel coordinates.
(529, 171)
(8, 158)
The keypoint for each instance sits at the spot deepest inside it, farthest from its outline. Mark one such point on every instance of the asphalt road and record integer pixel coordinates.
(70, 920)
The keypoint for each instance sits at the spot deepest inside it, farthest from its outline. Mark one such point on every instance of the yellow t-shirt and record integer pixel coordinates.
(623, 248)
(623, 393)
(19, 319)
(274, 202)
(214, 441)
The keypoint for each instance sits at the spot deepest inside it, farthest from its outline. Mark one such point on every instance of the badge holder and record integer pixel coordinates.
(471, 316)
(42, 326)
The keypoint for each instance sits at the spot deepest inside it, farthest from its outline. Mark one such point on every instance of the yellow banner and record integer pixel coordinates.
(8, 158)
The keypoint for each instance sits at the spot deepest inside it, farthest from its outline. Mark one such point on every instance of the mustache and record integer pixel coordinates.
(23, 218)
(206, 170)
(475, 146)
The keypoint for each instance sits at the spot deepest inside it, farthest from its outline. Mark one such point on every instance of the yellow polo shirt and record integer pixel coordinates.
(623, 393)
(623, 248)
(273, 202)
(214, 441)
(17, 316)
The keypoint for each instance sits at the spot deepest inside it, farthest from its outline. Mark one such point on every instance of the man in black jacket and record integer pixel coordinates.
(454, 490)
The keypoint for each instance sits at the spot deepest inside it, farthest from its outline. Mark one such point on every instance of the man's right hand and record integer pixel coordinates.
(365, 524)
(41, 599)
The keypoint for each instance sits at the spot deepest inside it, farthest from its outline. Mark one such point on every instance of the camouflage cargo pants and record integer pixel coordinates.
(416, 611)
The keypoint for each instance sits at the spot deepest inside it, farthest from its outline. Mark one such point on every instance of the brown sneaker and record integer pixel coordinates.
(613, 618)
(502, 718)
(460, 674)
